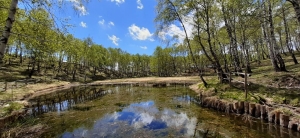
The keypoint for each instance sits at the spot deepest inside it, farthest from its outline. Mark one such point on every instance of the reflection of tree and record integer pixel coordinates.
(65, 100)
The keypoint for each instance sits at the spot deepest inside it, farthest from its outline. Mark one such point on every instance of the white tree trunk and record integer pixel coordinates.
(7, 29)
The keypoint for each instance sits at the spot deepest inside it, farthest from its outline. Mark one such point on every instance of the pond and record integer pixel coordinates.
(130, 111)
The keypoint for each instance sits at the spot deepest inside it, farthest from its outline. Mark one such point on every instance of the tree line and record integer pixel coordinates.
(234, 32)
(227, 35)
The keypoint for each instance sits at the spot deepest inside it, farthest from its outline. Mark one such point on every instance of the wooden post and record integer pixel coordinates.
(245, 84)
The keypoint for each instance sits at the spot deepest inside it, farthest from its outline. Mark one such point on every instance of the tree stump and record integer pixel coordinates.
(241, 107)
(257, 110)
(277, 117)
(236, 107)
(271, 116)
(284, 120)
(252, 109)
(293, 125)
(263, 112)
(246, 107)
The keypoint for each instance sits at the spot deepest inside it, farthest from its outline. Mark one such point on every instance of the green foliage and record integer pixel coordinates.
(12, 106)
(277, 99)
(295, 102)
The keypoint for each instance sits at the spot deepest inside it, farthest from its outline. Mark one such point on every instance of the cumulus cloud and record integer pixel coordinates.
(101, 22)
(114, 39)
(139, 4)
(74, 1)
(138, 33)
(111, 23)
(144, 47)
(104, 24)
(77, 4)
(175, 30)
(83, 24)
(118, 2)
(81, 9)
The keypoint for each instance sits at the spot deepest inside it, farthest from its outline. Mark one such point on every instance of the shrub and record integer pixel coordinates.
(295, 102)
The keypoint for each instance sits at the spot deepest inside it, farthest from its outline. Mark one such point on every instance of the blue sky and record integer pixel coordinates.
(125, 24)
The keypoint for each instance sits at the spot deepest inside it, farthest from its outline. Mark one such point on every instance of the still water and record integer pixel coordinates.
(129, 111)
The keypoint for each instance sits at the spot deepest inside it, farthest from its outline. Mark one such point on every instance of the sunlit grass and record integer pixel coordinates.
(264, 83)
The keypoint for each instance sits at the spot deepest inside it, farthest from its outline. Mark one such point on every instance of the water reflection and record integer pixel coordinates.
(65, 100)
(128, 111)
(139, 119)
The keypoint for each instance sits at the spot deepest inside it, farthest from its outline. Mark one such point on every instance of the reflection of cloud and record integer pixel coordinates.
(178, 120)
(143, 120)
(139, 117)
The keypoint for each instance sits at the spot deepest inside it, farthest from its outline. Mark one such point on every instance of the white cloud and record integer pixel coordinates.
(144, 47)
(78, 5)
(114, 39)
(138, 33)
(101, 22)
(83, 24)
(81, 9)
(118, 1)
(139, 4)
(111, 23)
(177, 31)
(74, 1)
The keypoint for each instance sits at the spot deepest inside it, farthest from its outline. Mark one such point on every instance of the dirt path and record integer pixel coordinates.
(188, 79)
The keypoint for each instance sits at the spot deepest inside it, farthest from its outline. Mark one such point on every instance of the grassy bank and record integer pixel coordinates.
(278, 89)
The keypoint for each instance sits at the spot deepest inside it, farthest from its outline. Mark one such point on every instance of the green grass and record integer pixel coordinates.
(12, 106)
(265, 83)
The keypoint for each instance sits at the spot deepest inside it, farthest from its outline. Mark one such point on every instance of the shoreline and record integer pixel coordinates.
(256, 110)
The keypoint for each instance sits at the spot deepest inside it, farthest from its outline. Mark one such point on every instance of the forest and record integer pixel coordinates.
(227, 35)
(218, 37)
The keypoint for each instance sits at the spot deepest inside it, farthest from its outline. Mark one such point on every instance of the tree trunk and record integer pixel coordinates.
(273, 39)
(7, 29)
(296, 5)
(21, 55)
(189, 46)
(280, 41)
(288, 45)
(74, 73)
(233, 43)
(268, 38)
